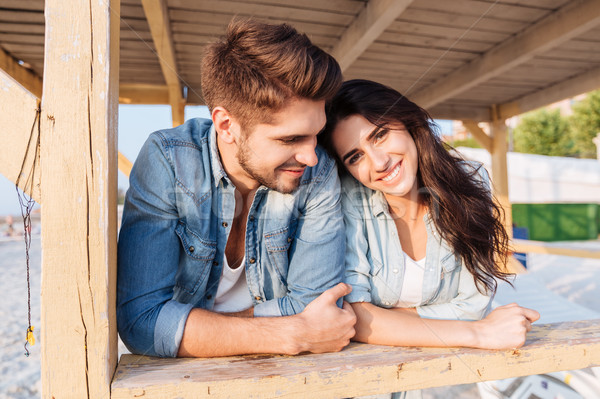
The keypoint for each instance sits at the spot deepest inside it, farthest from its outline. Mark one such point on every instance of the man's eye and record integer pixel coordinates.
(290, 140)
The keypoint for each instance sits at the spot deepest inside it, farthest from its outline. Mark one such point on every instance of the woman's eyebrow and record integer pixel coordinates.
(374, 132)
(349, 154)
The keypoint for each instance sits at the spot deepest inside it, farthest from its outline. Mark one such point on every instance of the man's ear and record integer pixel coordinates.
(226, 126)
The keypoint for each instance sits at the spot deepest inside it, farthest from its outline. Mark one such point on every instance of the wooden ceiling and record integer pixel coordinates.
(461, 59)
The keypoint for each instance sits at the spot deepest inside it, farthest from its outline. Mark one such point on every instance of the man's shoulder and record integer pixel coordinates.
(322, 171)
(194, 133)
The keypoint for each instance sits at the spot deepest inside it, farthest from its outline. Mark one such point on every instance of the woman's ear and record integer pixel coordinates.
(226, 126)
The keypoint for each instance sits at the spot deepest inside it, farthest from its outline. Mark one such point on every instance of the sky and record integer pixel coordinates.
(136, 122)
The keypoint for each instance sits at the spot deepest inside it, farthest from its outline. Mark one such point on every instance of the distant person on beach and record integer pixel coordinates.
(424, 237)
(232, 240)
(11, 229)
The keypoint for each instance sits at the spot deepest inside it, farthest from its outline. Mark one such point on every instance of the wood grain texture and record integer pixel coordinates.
(359, 369)
(554, 249)
(576, 18)
(19, 136)
(79, 190)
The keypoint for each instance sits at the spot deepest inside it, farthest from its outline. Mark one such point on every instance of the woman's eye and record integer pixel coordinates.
(381, 135)
(353, 159)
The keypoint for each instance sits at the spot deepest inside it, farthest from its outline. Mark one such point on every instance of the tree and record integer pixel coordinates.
(544, 132)
(585, 125)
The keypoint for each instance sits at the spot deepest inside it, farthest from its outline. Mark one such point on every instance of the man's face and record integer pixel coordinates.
(276, 154)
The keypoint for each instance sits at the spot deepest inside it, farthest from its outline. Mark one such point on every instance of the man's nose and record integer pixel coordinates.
(307, 155)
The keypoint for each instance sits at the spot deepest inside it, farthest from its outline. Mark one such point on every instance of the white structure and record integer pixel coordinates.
(543, 179)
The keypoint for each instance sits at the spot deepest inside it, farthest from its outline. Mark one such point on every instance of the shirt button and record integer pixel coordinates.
(224, 224)
(209, 297)
(252, 260)
(395, 270)
(215, 263)
(257, 298)
(289, 239)
(252, 218)
(192, 249)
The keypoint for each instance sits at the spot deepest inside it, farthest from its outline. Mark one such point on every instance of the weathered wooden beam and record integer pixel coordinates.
(573, 19)
(553, 249)
(19, 136)
(158, 19)
(456, 112)
(366, 28)
(582, 83)
(140, 93)
(79, 189)
(26, 77)
(125, 165)
(500, 170)
(360, 369)
(482, 137)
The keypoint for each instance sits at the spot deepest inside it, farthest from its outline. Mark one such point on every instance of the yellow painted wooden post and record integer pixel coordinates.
(79, 192)
(500, 169)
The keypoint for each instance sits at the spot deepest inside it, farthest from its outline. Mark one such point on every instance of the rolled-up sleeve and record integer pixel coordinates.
(149, 321)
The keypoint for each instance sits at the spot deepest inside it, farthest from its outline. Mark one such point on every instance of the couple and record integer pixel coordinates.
(238, 238)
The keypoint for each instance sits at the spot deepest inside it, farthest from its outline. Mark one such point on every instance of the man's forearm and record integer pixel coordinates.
(209, 334)
(321, 327)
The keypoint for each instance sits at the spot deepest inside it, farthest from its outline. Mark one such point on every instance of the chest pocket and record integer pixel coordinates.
(449, 263)
(278, 244)
(195, 261)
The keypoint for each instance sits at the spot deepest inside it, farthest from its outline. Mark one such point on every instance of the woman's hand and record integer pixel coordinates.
(505, 327)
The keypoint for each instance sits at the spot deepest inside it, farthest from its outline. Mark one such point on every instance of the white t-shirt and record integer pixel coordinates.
(412, 285)
(233, 294)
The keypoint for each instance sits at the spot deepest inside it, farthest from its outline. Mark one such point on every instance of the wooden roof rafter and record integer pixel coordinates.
(375, 18)
(553, 30)
(158, 20)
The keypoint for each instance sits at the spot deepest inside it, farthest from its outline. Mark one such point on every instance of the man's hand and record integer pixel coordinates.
(323, 326)
(505, 327)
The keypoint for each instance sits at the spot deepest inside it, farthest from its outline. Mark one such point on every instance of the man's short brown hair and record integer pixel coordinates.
(257, 67)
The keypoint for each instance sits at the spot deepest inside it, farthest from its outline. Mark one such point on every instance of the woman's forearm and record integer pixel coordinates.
(504, 328)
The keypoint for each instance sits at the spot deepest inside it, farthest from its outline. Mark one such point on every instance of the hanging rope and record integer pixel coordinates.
(27, 202)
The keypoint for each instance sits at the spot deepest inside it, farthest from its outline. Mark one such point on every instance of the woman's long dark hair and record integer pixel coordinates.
(463, 210)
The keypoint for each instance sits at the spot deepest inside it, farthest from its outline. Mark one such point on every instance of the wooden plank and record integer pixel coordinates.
(19, 136)
(187, 11)
(498, 132)
(434, 42)
(360, 369)
(22, 28)
(480, 8)
(458, 20)
(460, 111)
(482, 137)
(125, 165)
(143, 94)
(541, 247)
(582, 83)
(338, 6)
(306, 27)
(28, 79)
(31, 5)
(366, 28)
(79, 189)
(559, 27)
(448, 32)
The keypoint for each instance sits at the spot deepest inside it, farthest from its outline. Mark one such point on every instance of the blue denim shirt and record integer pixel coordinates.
(177, 217)
(375, 263)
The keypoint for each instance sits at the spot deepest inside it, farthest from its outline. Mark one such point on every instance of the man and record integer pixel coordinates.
(232, 239)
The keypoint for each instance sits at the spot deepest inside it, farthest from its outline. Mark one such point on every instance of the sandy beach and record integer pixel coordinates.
(575, 279)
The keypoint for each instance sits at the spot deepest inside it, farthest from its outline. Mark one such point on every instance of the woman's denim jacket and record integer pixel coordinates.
(375, 263)
(177, 217)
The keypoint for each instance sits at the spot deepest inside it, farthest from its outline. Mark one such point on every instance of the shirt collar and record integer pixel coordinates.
(215, 159)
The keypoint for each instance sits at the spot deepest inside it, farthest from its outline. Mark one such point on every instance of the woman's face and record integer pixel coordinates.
(381, 159)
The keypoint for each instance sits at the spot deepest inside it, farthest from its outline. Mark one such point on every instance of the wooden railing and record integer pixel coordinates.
(360, 369)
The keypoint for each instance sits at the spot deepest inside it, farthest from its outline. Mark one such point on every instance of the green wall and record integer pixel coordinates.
(558, 222)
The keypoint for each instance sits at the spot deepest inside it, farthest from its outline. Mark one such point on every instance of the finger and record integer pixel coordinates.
(336, 292)
(531, 314)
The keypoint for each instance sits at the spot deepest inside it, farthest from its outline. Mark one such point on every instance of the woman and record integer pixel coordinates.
(425, 243)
